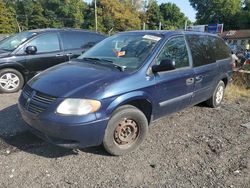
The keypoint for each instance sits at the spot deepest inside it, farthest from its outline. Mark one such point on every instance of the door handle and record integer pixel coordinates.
(199, 78)
(69, 54)
(189, 81)
(59, 55)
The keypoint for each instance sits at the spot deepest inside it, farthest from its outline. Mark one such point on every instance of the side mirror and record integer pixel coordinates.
(165, 65)
(31, 50)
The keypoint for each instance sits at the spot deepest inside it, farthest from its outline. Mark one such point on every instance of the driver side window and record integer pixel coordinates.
(46, 43)
(176, 50)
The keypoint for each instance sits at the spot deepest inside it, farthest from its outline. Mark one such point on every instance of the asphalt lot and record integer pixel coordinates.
(198, 147)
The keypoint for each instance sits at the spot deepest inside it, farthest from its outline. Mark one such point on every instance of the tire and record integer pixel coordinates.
(11, 81)
(126, 130)
(218, 95)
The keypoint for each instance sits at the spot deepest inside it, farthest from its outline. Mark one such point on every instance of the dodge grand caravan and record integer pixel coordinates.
(26, 53)
(110, 94)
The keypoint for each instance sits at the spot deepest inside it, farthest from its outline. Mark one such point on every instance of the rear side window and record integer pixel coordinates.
(80, 40)
(46, 43)
(202, 50)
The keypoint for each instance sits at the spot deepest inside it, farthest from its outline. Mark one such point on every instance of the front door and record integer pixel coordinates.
(174, 88)
(49, 53)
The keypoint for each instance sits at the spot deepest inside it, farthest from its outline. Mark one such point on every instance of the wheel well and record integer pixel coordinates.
(225, 80)
(17, 69)
(144, 105)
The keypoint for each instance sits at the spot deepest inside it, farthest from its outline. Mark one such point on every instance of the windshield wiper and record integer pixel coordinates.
(120, 67)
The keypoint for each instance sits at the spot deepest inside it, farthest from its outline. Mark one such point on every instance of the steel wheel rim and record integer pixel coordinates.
(126, 132)
(9, 81)
(219, 94)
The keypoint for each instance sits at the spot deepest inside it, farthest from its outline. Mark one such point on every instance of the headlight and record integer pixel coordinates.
(78, 106)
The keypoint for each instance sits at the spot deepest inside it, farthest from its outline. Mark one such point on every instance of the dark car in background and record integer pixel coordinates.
(111, 93)
(25, 54)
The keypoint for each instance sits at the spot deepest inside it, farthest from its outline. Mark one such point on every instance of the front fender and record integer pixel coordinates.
(14, 65)
(126, 98)
(17, 66)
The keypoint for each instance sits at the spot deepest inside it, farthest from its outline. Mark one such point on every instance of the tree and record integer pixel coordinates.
(37, 19)
(217, 11)
(153, 15)
(243, 17)
(112, 14)
(24, 11)
(8, 22)
(172, 16)
(34, 14)
(71, 13)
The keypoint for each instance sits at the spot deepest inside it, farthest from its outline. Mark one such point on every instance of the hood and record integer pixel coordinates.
(75, 79)
(4, 53)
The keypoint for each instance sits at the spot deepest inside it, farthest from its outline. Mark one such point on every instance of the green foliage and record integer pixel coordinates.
(153, 15)
(172, 16)
(115, 15)
(7, 18)
(235, 14)
(33, 14)
(168, 14)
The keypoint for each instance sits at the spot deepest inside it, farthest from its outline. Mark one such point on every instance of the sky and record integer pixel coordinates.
(182, 4)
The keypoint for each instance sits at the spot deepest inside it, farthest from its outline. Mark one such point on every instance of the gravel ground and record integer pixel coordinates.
(198, 147)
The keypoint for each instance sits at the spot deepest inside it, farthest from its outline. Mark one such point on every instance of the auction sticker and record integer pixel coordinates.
(152, 37)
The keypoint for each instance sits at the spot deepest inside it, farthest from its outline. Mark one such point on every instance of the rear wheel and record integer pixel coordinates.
(11, 80)
(218, 95)
(126, 130)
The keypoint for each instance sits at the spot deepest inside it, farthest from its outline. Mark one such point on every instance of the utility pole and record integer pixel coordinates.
(95, 17)
(186, 22)
(160, 26)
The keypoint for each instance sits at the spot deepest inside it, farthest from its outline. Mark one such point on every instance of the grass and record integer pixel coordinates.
(235, 92)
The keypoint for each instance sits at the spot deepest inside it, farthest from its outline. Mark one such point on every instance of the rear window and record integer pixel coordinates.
(80, 40)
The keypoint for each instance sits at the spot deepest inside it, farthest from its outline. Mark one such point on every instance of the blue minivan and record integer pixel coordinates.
(111, 93)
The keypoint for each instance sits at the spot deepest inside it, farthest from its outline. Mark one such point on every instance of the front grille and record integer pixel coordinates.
(39, 97)
(34, 101)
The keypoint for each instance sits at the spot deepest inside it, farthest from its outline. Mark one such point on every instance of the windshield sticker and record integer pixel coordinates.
(151, 37)
(121, 53)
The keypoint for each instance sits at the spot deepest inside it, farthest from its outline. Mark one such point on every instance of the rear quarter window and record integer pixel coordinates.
(222, 50)
(80, 40)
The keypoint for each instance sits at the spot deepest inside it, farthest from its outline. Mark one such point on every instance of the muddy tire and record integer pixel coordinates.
(126, 130)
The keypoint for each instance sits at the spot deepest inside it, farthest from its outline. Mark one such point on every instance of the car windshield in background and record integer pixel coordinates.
(14, 41)
(126, 51)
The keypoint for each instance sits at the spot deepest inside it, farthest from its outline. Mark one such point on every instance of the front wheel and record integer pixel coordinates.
(218, 95)
(11, 81)
(126, 130)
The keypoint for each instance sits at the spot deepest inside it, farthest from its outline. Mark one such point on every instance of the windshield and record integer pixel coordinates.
(12, 42)
(128, 51)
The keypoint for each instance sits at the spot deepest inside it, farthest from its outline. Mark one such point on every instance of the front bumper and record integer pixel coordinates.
(70, 134)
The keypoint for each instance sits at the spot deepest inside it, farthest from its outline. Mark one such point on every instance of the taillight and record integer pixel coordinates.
(247, 62)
